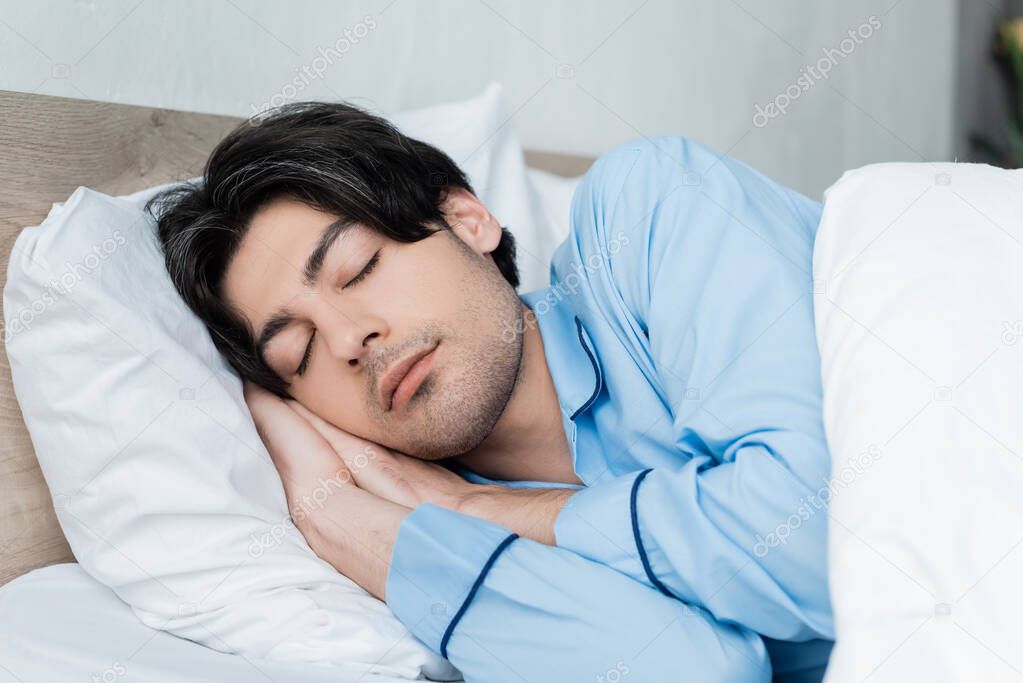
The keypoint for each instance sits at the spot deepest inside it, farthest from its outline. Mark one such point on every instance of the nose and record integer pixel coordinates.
(348, 334)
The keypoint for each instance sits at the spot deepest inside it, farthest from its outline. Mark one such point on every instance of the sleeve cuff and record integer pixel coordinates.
(439, 560)
(601, 523)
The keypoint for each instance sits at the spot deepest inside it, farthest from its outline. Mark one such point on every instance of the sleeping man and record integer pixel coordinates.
(608, 478)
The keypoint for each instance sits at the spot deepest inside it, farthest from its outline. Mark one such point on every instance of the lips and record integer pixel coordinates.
(396, 373)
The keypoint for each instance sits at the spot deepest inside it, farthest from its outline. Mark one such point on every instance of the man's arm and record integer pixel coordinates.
(499, 606)
(714, 282)
(503, 608)
(529, 512)
(354, 530)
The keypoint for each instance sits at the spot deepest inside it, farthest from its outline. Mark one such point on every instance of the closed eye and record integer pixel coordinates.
(305, 357)
(370, 265)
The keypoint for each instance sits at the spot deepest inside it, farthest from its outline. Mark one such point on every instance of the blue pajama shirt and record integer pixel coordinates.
(678, 328)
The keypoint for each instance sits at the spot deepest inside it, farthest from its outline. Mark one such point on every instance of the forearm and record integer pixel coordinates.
(680, 531)
(355, 533)
(504, 608)
(528, 512)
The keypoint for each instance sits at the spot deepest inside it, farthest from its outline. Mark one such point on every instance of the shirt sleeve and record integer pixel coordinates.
(716, 285)
(503, 608)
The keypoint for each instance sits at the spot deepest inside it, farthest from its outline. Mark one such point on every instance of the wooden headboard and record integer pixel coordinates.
(48, 147)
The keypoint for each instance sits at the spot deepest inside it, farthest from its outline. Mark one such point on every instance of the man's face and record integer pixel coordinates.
(443, 293)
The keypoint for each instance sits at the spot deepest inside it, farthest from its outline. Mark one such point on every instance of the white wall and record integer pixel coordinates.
(582, 76)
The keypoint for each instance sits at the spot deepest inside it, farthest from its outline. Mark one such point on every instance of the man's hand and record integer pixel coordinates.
(410, 481)
(350, 528)
(395, 476)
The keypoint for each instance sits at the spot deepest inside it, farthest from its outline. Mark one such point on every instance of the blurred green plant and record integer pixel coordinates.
(1009, 53)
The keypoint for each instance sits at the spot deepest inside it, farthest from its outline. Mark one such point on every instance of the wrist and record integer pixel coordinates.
(355, 532)
(476, 499)
(528, 512)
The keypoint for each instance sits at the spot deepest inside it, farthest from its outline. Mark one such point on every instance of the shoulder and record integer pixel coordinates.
(672, 201)
(668, 171)
(663, 159)
(643, 183)
(632, 185)
(623, 211)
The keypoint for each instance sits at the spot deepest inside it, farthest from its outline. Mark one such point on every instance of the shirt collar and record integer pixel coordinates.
(570, 353)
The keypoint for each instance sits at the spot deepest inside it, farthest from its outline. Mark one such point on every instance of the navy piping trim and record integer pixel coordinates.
(639, 541)
(596, 370)
(472, 593)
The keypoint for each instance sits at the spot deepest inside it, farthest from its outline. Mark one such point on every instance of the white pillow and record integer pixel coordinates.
(919, 318)
(159, 479)
(554, 197)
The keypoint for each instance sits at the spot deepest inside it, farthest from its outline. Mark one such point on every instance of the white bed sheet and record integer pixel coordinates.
(59, 624)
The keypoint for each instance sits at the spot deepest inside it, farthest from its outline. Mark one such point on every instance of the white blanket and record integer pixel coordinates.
(918, 272)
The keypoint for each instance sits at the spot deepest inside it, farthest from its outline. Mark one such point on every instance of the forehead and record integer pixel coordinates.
(266, 269)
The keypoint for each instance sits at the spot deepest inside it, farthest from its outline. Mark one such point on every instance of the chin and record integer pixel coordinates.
(445, 433)
(437, 450)
(457, 409)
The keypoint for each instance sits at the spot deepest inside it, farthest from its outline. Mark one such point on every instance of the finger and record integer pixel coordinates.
(291, 441)
(329, 431)
(354, 450)
(374, 468)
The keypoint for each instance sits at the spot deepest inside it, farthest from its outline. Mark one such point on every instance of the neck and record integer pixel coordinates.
(528, 443)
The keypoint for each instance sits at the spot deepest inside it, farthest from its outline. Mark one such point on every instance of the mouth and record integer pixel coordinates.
(403, 378)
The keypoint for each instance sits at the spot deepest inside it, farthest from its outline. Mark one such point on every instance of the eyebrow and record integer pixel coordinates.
(315, 261)
(282, 317)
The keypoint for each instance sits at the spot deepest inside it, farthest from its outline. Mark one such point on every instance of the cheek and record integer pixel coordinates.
(429, 281)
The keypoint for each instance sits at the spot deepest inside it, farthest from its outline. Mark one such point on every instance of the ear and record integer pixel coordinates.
(470, 220)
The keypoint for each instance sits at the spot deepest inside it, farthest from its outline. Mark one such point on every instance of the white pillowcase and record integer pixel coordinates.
(554, 197)
(159, 479)
(919, 317)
